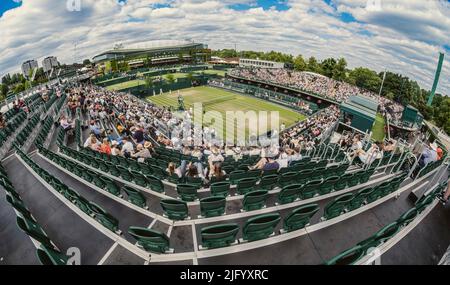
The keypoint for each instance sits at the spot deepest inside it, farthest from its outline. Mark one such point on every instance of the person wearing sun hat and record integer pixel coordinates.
(429, 154)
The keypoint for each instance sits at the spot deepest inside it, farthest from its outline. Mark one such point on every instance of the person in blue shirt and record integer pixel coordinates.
(95, 129)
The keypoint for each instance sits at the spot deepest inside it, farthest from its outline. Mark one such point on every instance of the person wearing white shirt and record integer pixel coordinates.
(127, 146)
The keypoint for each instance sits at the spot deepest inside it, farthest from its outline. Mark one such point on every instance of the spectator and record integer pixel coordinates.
(105, 147)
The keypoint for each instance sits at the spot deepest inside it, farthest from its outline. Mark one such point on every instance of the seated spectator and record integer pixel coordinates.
(95, 129)
(141, 153)
(94, 143)
(216, 173)
(2, 121)
(215, 156)
(65, 123)
(115, 149)
(173, 170)
(429, 154)
(138, 135)
(127, 147)
(105, 147)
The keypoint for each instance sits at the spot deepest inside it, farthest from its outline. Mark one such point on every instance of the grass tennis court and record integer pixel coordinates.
(214, 99)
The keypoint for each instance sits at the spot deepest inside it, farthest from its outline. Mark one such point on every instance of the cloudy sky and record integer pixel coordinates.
(403, 36)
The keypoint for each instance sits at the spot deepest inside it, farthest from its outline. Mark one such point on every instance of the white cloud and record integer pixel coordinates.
(404, 36)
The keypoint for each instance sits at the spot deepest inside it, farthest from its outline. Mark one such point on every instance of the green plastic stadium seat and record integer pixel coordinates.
(246, 185)
(319, 172)
(125, 174)
(138, 178)
(212, 206)
(300, 217)
(83, 204)
(289, 193)
(236, 175)
(304, 176)
(19, 206)
(337, 207)
(113, 170)
(32, 229)
(260, 227)
(155, 184)
(174, 209)
(310, 189)
(49, 256)
(150, 240)
(220, 189)
(187, 192)
(380, 237)
(269, 172)
(424, 202)
(70, 194)
(332, 170)
(287, 178)
(348, 257)
(353, 180)
(407, 217)
(110, 186)
(268, 182)
(196, 181)
(328, 185)
(104, 218)
(135, 196)
(219, 235)
(385, 188)
(359, 199)
(255, 200)
(374, 195)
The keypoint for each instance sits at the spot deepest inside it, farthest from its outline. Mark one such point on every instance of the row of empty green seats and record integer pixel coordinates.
(132, 195)
(12, 126)
(47, 252)
(89, 208)
(354, 254)
(352, 201)
(294, 185)
(46, 127)
(258, 227)
(178, 210)
(24, 134)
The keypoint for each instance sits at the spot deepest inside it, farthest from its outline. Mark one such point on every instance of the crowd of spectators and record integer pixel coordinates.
(121, 124)
(316, 84)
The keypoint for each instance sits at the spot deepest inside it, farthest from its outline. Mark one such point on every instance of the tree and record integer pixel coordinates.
(340, 70)
(327, 67)
(170, 78)
(4, 90)
(365, 78)
(86, 61)
(114, 66)
(299, 63)
(19, 88)
(313, 65)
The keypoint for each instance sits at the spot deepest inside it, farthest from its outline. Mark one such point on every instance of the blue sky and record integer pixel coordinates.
(403, 36)
(6, 5)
